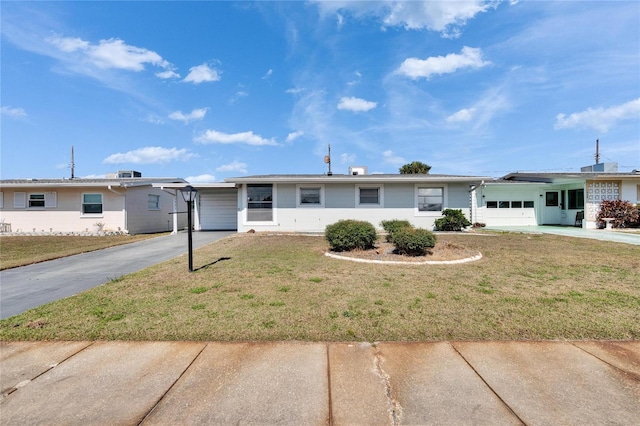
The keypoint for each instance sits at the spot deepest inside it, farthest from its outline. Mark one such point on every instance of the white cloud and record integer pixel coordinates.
(346, 158)
(13, 112)
(443, 16)
(294, 91)
(600, 119)
(268, 74)
(111, 53)
(294, 135)
(469, 57)
(167, 74)
(249, 138)
(202, 73)
(149, 155)
(356, 104)
(234, 166)
(465, 114)
(196, 114)
(237, 96)
(204, 178)
(390, 158)
(153, 119)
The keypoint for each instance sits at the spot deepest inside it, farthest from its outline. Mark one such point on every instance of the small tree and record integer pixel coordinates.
(624, 213)
(453, 220)
(415, 168)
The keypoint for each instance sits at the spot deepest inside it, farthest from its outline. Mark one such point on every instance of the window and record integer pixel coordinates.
(259, 203)
(310, 196)
(430, 199)
(516, 204)
(638, 194)
(503, 205)
(369, 196)
(552, 199)
(91, 203)
(1, 200)
(492, 204)
(528, 204)
(576, 199)
(36, 200)
(153, 202)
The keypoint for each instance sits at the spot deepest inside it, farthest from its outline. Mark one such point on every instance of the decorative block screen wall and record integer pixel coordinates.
(598, 191)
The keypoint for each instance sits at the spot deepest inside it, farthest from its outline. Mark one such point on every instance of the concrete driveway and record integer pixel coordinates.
(34, 285)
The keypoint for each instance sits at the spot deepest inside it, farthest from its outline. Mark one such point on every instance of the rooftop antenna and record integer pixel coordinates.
(327, 160)
(597, 156)
(73, 164)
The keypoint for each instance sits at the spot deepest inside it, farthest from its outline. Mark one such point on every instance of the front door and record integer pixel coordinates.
(552, 208)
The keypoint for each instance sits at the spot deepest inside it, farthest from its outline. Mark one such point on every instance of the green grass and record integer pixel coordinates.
(24, 250)
(284, 288)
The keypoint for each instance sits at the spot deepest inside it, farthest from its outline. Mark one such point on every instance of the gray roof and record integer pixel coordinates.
(80, 182)
(342, 178)
(555, 177)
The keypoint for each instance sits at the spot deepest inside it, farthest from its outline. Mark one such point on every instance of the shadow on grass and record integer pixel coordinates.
(211, 264)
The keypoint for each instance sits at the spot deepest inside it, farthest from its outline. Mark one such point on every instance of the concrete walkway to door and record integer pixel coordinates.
(34, 285)
(570, 231)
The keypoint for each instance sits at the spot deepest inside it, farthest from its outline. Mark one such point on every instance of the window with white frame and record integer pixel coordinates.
(369, 196)
(91, 203)
(153, 202)
(430, 199)
(310, 196)
(259, 202)
(36, 200)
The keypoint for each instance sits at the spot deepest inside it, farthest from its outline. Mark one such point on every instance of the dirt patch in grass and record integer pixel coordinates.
(385, 252)
(270, 287)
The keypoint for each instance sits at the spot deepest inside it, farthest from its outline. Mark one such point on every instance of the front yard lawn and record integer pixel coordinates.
(270, 287)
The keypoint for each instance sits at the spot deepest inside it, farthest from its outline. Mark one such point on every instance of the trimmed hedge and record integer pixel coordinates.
(453, 220)
(347, 235)
(392, 226)
(413, 241)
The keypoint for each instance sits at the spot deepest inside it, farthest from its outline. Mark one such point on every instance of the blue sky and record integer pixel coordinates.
(210, 90)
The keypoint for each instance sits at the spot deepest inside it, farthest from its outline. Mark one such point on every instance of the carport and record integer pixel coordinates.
(215, 209)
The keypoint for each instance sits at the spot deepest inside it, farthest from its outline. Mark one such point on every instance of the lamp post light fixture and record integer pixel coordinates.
(189, 194)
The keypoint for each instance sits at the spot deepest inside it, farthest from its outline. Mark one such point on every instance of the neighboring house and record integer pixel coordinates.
(125, 204)
(308, 203)
(531, 199)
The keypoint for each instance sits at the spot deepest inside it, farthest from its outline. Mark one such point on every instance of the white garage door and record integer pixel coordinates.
(218, 210)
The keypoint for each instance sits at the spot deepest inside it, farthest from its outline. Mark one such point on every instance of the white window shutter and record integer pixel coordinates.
(19, 200)
(51, 199)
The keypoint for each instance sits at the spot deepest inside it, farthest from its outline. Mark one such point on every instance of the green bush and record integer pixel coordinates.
(453, 220)
(413, 241)
(624, 213)
(346, 235)
(393, 225)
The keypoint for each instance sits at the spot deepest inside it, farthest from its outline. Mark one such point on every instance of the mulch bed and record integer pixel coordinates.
(386, 252)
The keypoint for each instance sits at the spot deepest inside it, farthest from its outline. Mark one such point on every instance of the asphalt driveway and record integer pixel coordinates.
(34, 285)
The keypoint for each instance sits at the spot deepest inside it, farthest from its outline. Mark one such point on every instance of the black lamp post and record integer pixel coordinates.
(189, 194)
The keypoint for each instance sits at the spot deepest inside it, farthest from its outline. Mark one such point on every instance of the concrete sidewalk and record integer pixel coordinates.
(282, 383)
(570, 231)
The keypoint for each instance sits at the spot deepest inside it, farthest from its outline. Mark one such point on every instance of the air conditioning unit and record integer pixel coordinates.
(358, 170)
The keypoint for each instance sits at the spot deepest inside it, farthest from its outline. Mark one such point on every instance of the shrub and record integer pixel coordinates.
(393, 225)
(346, 235)
(413, 241)
(453, 220)
(624, 213)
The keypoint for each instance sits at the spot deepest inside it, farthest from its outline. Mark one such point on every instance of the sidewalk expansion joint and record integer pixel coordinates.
(395, 409)
(487, 384)
(172, 385)
(633, 375)
(327, 348)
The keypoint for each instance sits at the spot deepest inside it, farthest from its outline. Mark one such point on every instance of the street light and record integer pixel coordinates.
(189, 194)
